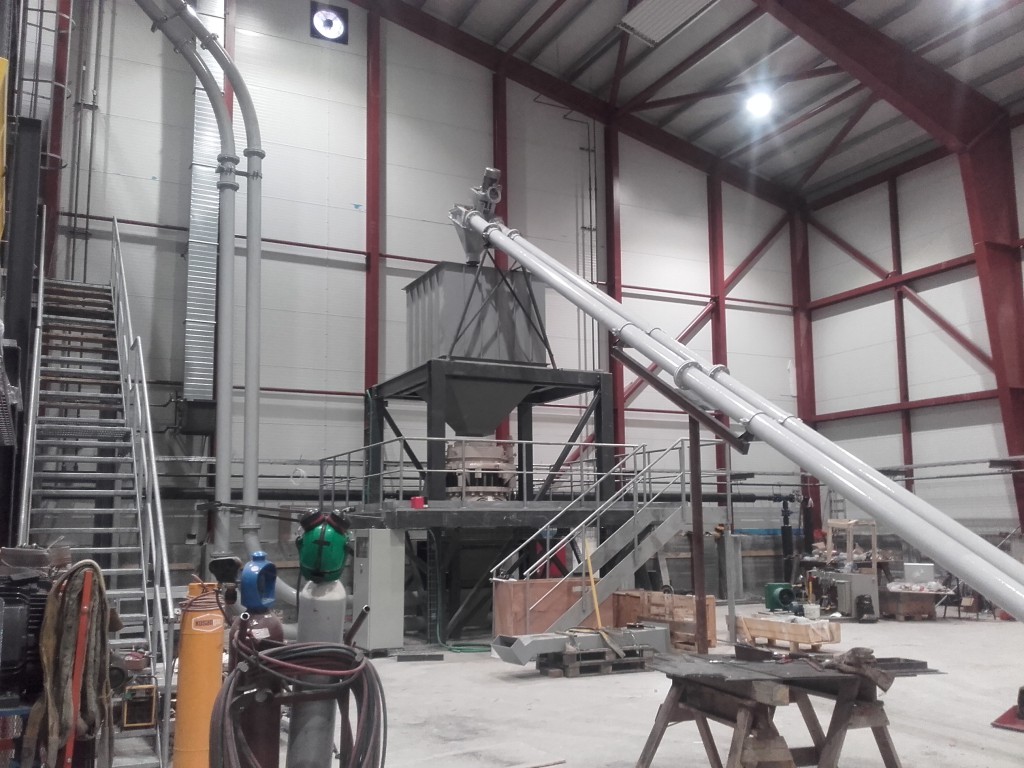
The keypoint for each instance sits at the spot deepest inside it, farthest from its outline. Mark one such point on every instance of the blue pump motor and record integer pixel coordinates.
(257, 582)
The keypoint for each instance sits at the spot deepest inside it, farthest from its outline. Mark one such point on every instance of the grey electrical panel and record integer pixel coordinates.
(378, 580)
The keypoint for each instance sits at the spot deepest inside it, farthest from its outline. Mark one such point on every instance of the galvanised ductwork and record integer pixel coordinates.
(952, 545)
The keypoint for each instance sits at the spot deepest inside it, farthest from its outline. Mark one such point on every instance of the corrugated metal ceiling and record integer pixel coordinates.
(826, 130)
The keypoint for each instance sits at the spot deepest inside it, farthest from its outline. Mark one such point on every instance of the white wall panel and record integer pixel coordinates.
(937, 364)
(855, 356)
(966, 432)
(663, 216)
(933, 215)
(832, 269)
(746, 221)
(863, 222)
(760, 344)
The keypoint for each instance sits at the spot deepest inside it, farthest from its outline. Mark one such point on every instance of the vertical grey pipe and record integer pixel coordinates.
(721, 375)
(227, 186)
(254, 155)
(689, 376)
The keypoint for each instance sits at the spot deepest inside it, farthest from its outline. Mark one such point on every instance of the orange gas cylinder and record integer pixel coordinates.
(200, 670)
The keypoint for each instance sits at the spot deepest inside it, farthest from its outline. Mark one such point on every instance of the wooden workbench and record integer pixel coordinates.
(745, 695)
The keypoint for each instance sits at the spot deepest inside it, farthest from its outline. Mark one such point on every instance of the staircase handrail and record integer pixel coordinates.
(147, 487)
(32, 406)
(642, 476)
(580, 498)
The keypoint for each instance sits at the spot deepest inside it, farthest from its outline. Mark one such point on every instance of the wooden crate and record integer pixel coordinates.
(636, 605)
(907, 605)
(512, 601)
(813, 634)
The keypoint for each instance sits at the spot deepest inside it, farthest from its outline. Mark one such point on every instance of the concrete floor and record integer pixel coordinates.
(472, 711)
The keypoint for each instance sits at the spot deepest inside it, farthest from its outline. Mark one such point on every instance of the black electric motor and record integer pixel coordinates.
(23, 594)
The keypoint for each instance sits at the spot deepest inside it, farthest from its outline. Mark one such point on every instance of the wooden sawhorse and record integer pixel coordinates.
(745, 695)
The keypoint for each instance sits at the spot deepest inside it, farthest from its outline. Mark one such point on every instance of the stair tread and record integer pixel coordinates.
(98, 444)
(82, 493)
(73, 360)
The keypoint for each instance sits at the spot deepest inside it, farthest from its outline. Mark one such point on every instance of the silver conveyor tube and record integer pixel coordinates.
(915, 504)
(689, 375)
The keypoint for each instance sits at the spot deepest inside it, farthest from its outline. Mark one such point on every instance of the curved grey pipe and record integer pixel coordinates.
(254, 246)
(254, 155)
(879, 482)
(689, 375)
(227, 187)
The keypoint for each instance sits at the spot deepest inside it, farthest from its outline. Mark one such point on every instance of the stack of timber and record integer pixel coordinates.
(813, 634)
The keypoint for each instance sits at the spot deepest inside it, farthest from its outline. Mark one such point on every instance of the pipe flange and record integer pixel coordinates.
(513, 234)
(714, 370)
(679, 377)
(250, 152)
(233, 185)
(232, 159)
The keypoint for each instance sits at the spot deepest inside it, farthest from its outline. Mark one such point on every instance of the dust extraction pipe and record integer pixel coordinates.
(770, 424)
(227, 187)
(254, 155)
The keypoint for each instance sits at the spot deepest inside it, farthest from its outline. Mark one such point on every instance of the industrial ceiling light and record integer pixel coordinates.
(760, 105)
(328, 22)
(652, 21)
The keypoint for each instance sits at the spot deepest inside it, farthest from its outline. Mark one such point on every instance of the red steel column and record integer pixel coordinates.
(499, 108)
(613, 268)
(987, 171)
(374, 202)
(903, 375)
(803, 341)
(716, 270)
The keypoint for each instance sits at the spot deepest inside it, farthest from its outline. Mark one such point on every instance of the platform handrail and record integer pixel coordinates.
(32, 406)
(594, 517)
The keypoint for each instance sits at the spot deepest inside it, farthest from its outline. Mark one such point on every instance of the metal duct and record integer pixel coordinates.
(201, 281)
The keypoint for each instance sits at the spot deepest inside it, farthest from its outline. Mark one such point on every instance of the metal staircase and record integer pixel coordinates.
(89, 475)
(625, 550)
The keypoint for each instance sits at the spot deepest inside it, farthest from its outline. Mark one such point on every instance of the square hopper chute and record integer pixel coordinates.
(459, 311)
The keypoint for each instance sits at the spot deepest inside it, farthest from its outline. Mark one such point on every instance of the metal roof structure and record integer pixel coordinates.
(676, 73)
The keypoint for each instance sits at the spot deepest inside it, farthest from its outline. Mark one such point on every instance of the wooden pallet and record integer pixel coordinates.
(602, 661)
(811, 635)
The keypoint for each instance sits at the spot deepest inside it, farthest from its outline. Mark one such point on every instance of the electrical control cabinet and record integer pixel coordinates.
(378, 580)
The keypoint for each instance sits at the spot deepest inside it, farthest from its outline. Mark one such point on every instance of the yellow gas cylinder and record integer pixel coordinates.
(200, 669)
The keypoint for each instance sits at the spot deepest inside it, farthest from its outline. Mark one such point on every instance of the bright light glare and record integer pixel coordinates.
(759, 105)
(328, 24)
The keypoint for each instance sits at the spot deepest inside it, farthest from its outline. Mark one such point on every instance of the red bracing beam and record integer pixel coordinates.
(978, 131)
(951, 111)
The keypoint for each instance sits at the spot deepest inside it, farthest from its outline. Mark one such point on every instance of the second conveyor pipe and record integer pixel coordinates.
(689, 375)
(719, 373)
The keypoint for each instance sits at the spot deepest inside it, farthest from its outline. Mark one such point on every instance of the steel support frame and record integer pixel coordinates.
(429, 383)
(977, 130)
